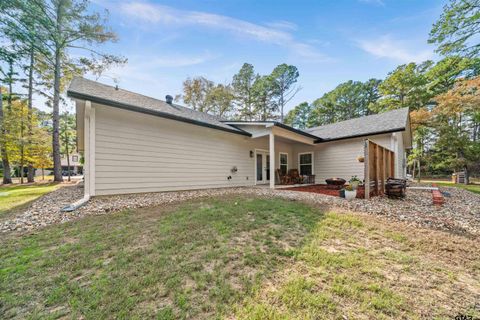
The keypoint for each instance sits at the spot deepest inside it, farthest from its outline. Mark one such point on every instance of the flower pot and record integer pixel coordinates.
(350, 195)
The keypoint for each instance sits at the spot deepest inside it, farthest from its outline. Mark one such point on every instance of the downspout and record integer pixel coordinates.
(87, 168)
(77, 204)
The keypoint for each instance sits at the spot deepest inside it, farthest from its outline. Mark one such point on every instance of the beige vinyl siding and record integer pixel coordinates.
(339, 158)
(141, 153)
(336, 159)
(385, 140)
(400, 171)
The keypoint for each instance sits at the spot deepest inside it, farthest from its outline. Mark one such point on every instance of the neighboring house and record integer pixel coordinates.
(75, 165)
(133, 143)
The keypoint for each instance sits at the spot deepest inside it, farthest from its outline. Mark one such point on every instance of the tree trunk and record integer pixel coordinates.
(7, 178)
(419, 171)
(57, 164)
(68, 164)
(22, 145)
(413, 169)
(22, 152)
(281, 107)
(31, 171)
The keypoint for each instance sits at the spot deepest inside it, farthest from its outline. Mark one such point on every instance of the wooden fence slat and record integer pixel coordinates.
(377, 168)
(392, 164)
(379, 165)
(366, 155)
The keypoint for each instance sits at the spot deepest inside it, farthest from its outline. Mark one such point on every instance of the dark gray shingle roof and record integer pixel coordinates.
(390, 121)
(82, 88)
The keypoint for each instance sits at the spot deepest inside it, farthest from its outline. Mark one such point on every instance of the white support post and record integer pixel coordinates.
(86, 151)
(272, 160)
(89, 156)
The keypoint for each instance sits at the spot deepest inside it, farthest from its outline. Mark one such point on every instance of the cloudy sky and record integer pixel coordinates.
(329, 41)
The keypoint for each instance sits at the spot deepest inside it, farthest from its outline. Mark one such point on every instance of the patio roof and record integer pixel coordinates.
(276, 124)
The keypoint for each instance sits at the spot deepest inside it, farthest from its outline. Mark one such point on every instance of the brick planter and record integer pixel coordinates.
(437, 197)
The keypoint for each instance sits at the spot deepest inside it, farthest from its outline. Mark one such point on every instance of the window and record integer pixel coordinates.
(283, 163)
(305, 161)
(75, 158)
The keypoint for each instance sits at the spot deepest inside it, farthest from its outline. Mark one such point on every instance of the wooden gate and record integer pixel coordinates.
(379, 165)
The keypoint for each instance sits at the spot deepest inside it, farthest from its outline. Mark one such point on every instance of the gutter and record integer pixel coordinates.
(361, 135)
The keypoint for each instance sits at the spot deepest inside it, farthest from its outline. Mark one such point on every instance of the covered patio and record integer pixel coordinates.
(293, 161)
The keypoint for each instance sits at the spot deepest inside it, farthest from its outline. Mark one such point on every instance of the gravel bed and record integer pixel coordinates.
(460, 214)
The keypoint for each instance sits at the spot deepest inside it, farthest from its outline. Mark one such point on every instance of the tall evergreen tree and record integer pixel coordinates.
(284, 77)
(299, 117)
(406, 86)
(456, 31)
(242, 85)
(63, 25)
(265, 106)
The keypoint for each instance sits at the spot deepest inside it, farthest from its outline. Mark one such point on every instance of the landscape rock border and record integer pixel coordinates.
(460, 212)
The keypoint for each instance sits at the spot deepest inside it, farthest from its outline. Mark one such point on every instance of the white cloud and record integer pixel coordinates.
(169, 16)
(282, 24)
(394, 49)
(146, 73)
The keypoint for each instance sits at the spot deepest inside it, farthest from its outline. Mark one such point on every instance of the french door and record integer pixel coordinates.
(262, 165)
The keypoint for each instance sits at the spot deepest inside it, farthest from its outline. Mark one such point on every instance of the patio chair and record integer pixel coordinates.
(295, 176)
(282, 178)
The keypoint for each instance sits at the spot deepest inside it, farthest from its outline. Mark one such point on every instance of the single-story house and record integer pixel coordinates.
(133, 143)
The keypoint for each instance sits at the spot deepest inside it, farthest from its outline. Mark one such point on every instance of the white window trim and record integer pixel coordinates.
(280, 160)
(312, 164)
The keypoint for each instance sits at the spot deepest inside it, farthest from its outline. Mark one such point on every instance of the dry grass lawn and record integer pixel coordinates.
(238, 257)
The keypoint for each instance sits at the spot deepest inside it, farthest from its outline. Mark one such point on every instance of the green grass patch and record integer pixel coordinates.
(13, 197)
(475, 188)
(190, 261)
(237, 257)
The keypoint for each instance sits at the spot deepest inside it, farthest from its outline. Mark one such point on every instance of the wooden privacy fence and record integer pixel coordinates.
(379, 165)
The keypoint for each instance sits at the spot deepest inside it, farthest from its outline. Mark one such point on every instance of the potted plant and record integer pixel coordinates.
(350, 193)
(354, 182)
